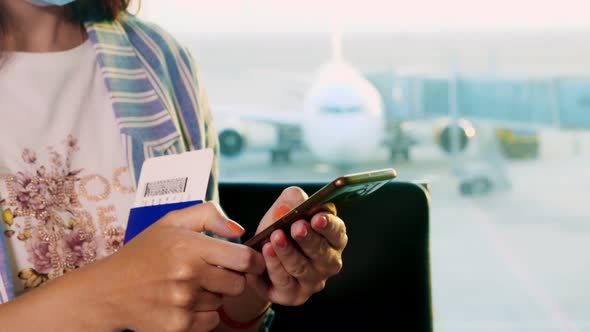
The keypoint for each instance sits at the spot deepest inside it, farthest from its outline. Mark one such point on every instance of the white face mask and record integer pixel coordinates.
(50, 2)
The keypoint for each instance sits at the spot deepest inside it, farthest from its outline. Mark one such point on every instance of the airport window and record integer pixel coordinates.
(487, 101)
(340, 110)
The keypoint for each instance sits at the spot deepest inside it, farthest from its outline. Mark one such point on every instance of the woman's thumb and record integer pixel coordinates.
(206, 217)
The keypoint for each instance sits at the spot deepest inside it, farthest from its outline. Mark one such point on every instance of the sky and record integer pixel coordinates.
(231, 16)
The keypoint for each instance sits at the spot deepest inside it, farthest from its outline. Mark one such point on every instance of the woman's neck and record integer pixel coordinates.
(39, 29)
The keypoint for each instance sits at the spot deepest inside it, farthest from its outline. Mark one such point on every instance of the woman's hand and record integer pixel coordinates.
(298, 270)
(171, 277)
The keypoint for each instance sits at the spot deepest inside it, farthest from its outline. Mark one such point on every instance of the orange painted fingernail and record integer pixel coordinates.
(280, 211)
(235, 227)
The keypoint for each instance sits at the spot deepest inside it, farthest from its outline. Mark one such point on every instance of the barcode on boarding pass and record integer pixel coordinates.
(165, 187)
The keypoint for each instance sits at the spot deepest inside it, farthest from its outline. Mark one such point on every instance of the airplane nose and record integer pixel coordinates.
(344, 140)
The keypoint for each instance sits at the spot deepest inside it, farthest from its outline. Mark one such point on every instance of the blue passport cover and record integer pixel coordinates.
(143, 217)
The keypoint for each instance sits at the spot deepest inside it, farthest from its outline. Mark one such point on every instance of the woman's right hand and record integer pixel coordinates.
(171, 276)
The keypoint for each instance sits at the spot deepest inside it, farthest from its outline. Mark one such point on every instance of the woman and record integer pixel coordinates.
(87, 93)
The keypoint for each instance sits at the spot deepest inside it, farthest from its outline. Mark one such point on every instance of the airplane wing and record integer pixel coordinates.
(237, 130)
(267, 115)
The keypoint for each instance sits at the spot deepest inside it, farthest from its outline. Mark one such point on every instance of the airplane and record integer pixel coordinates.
(343, 120)
(349, 117)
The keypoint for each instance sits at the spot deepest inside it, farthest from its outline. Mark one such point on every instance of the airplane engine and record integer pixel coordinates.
(232, 141)
(443, 134)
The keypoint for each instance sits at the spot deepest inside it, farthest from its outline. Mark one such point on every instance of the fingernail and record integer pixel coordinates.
(235, 227)
(271, 252)
(302, 233)
(282, 242)
(280, 211)
(322, 222)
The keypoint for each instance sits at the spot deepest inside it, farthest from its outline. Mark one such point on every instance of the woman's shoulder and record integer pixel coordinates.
(145, 34)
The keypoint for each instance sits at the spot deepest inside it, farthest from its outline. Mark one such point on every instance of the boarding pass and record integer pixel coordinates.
(169, 183)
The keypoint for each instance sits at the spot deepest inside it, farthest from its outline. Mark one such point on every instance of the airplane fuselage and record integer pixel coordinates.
(344, 119)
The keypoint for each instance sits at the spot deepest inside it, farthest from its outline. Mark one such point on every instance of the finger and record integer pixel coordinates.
(312, 244)
(289, 198)
(278, 276)
(205, 217)
(222, 281)
(207, 301)
(326, 260)
(191, 296)
(292, 260)
(205, 321)
(332, 228)
(230, 255)
(280, 211)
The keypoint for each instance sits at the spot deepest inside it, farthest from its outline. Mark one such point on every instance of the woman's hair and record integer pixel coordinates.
(84, 10)
(79, 11)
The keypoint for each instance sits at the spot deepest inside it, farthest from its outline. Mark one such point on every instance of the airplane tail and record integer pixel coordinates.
(337, 45)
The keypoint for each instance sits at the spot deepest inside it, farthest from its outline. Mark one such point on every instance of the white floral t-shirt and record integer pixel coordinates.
(65, 190)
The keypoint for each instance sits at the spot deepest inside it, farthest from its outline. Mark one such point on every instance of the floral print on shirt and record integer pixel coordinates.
(43, 210)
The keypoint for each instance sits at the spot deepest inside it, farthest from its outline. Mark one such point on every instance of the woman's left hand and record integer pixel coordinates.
(295, 271)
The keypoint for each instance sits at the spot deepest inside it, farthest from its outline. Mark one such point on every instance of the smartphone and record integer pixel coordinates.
(337, 194)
